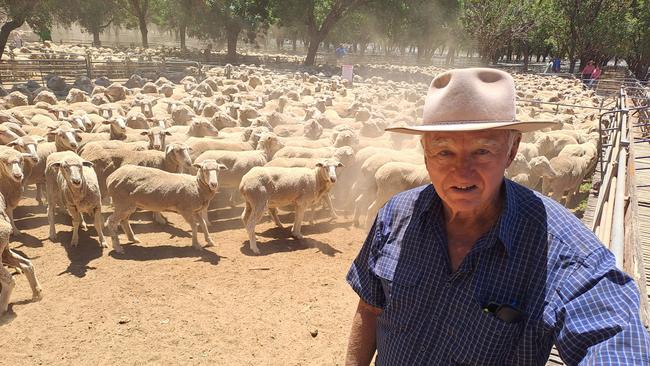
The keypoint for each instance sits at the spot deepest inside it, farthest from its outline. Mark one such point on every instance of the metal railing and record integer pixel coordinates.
(615, 219)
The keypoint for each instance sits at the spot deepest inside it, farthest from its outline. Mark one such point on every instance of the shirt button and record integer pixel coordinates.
(423, 349)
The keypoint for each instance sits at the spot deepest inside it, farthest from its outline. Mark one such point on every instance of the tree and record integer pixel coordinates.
(179, 15)
(496, 23)
(16, 12)
(638, 38)
(140, 10)
(94, 16)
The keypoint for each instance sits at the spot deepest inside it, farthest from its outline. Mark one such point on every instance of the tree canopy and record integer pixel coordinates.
(496, 30)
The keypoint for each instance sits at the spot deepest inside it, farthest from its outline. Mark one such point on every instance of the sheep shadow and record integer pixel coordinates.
(10, 315)
(144, 227)
(27, 240)
(283, 242)
(80, 256)
(135, 252)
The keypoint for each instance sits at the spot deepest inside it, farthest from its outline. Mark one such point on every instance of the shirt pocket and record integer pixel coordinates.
(402, 290)
(484, 339)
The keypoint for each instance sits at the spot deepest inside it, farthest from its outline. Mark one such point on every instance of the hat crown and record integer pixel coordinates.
(478, 95)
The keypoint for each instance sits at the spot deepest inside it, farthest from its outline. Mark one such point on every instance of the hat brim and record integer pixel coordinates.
(461, 126)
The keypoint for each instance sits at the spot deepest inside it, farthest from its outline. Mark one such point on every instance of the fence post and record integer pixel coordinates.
(89, 66)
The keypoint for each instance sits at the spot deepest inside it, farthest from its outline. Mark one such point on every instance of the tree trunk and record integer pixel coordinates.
(232, 33)
(293, 44)
(96, 41)
(6, 30)
(315, 39)
(278, 43)
(143, 32)
(451, 55)
(526, 58)
(182, 34)
(362, 48)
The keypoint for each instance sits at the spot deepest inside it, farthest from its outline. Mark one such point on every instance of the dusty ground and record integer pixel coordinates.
(162, 302)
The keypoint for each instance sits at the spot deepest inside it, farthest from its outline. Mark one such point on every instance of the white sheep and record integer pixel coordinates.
(273, 187)
(392, 178)
(11, 180)
(133, 187)
(12, 259)
(72, 183)
(570, 172)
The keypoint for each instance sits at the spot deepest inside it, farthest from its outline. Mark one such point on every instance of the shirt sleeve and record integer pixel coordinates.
(361, 276)
(598, 322)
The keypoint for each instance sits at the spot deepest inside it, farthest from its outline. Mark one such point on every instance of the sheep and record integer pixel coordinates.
(364, 187)
(176, 158)
(11, 181)
(199, 145)
(72, 183)
(570, 172)
(65, 139)
(518, 165)
(550, 145)
(7, 134)
(197, 128)
(323, 152)
(12, 259)
(273, 187)
(392, 178)
(133, 187)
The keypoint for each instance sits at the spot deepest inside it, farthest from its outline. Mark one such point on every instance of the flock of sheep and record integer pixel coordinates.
(267, 140)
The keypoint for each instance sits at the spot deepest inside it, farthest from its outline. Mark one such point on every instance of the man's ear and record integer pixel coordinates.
(515, 147)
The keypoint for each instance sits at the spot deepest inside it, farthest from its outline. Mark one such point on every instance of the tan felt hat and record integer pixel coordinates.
(471, 100)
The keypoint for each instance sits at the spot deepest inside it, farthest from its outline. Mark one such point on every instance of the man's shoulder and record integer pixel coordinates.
(562, 226)
(415, 199)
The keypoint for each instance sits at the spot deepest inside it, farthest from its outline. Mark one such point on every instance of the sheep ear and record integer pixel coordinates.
(167, 133)
(77, 130)
(38, 139)
(87, 164)
(320, 164)
(144, 133)
(222, 167)
(190, 149)
(106, 122)
(13, 143)
(55, 165)
(26, 155)
(340, 165)
(197, 165)
(52, 132)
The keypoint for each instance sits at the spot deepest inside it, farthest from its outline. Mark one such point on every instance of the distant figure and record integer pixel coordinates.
(340, 51)
(586, 72)
(18, 41)
(556, 64)
(595, 75)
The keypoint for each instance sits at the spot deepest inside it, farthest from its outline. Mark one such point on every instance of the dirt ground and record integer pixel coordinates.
(163, 302)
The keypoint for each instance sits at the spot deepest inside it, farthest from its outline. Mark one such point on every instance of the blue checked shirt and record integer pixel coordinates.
(538, 257)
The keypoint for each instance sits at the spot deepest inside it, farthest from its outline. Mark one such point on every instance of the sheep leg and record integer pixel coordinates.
(126, 227)
(16, 260)
(99, 226)
(357, 208)
(297, 223)
(204, 217)
(159, 218)
(39, 194)
(204, 228)
(10, 214)
(250, 217)
(328, 202)
(190, 218)
(372, 212)
(50, 219)
(76, 222)
(8, 283)
(83, 222)
(274, 214)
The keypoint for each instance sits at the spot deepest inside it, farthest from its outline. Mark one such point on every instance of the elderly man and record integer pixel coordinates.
(477, 270)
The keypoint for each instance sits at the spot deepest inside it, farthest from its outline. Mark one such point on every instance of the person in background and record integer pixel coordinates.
(557, 64)
(595, 75)
(586, 72)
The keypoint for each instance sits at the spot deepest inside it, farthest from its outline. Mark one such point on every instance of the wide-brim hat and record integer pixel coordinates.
(471, 99)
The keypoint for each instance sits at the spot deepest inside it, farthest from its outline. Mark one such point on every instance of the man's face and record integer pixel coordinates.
(466, 168)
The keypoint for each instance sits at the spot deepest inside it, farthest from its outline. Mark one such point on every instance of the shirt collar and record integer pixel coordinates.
(504, 227)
